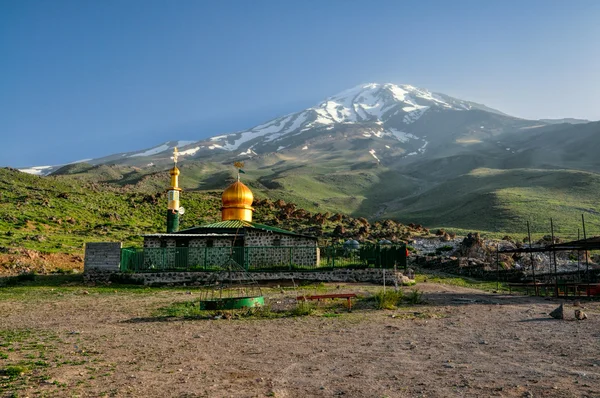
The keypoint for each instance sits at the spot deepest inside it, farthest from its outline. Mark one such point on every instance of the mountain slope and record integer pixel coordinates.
(377, 150)
(504, 200)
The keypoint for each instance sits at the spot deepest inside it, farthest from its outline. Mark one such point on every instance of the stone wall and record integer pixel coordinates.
(273, 249)
(103, 256)
(200, 255)
(264, 249)
(203, 278)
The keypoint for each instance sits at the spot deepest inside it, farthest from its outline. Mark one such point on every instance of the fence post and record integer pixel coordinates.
(332, 256)
(246, 258)
(205, 256)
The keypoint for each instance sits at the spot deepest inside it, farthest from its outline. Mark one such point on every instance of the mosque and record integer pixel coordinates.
(235, 239)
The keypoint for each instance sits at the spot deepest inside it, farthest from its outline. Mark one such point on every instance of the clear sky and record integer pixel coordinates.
(84, 79)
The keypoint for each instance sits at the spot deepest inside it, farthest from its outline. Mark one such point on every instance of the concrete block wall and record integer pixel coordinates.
(102, 256)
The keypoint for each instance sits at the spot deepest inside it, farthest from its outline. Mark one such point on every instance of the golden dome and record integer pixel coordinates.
(237, 202)
(174, 171)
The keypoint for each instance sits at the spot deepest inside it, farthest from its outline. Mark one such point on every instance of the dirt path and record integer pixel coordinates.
(462, 343)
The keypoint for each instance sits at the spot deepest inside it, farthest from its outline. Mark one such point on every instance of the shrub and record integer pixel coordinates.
(15, 370)
(388, 299)
(414, 297)
(27, 276)
(63, 271)
(302, 308)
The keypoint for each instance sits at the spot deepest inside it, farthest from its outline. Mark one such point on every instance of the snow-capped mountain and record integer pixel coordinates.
(388, 122)
(392, 106)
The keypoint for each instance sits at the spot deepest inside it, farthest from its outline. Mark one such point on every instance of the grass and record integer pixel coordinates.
(388, 299)
(59, 214)
(500, 202)
(192, 310)
(14, 370)
(461, 281)
(391, 299)
(31, 353)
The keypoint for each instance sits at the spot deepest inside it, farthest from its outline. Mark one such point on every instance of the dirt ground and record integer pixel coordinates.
(462, 342)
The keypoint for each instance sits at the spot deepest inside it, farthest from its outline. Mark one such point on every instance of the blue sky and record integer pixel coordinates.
(83, 79)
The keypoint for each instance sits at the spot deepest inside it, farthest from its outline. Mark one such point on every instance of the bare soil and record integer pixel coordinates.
(14, 261)
(461, 343)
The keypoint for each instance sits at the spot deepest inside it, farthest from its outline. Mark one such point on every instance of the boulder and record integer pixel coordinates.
(558, 313)
(580, 315)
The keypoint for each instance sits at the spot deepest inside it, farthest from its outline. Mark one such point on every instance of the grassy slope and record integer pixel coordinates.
(61, 213)
(503, 200)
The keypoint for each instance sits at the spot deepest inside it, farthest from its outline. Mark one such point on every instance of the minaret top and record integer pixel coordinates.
(175, 172)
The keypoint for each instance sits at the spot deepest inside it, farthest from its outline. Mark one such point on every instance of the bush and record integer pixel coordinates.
(414, 297)
(27, 276)
(389, 299)
(14, 370)
(63, 271)
(303, 308)
(16, 280)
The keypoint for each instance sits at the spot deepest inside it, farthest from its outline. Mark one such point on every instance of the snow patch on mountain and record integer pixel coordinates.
(37, 170)
(266, 129)
(400, 135)
(190, 152)
(372, 152)
(414, 113)
(248, 152)
(152, 151)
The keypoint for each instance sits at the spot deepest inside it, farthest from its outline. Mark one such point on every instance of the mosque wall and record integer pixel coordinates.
(261, 249)
(274, 249)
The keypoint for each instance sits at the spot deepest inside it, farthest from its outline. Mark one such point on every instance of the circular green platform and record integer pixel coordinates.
(232, 303)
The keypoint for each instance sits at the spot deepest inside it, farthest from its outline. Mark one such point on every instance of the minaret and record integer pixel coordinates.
(173, 197)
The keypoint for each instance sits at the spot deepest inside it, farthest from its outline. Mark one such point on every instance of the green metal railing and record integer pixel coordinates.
(263, 258)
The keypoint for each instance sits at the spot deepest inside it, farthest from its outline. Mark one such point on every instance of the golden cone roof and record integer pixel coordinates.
(237, 195)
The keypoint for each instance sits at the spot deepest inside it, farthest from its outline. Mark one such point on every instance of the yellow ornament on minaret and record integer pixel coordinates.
(237, 200)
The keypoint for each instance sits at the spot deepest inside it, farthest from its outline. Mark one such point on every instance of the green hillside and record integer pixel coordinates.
(503, 201)
(60, 213)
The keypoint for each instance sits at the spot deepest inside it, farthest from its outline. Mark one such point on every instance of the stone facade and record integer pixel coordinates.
(268, 248)
(262, 249)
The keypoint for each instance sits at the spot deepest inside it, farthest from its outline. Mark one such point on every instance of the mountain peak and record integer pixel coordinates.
(383, 110)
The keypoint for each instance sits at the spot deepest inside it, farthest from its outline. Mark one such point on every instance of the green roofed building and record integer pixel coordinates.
(236, 238)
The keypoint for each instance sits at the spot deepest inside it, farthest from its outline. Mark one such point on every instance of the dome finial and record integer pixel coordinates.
(239, 166)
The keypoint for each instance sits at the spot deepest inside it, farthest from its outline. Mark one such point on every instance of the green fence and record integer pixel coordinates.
(264, 258)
